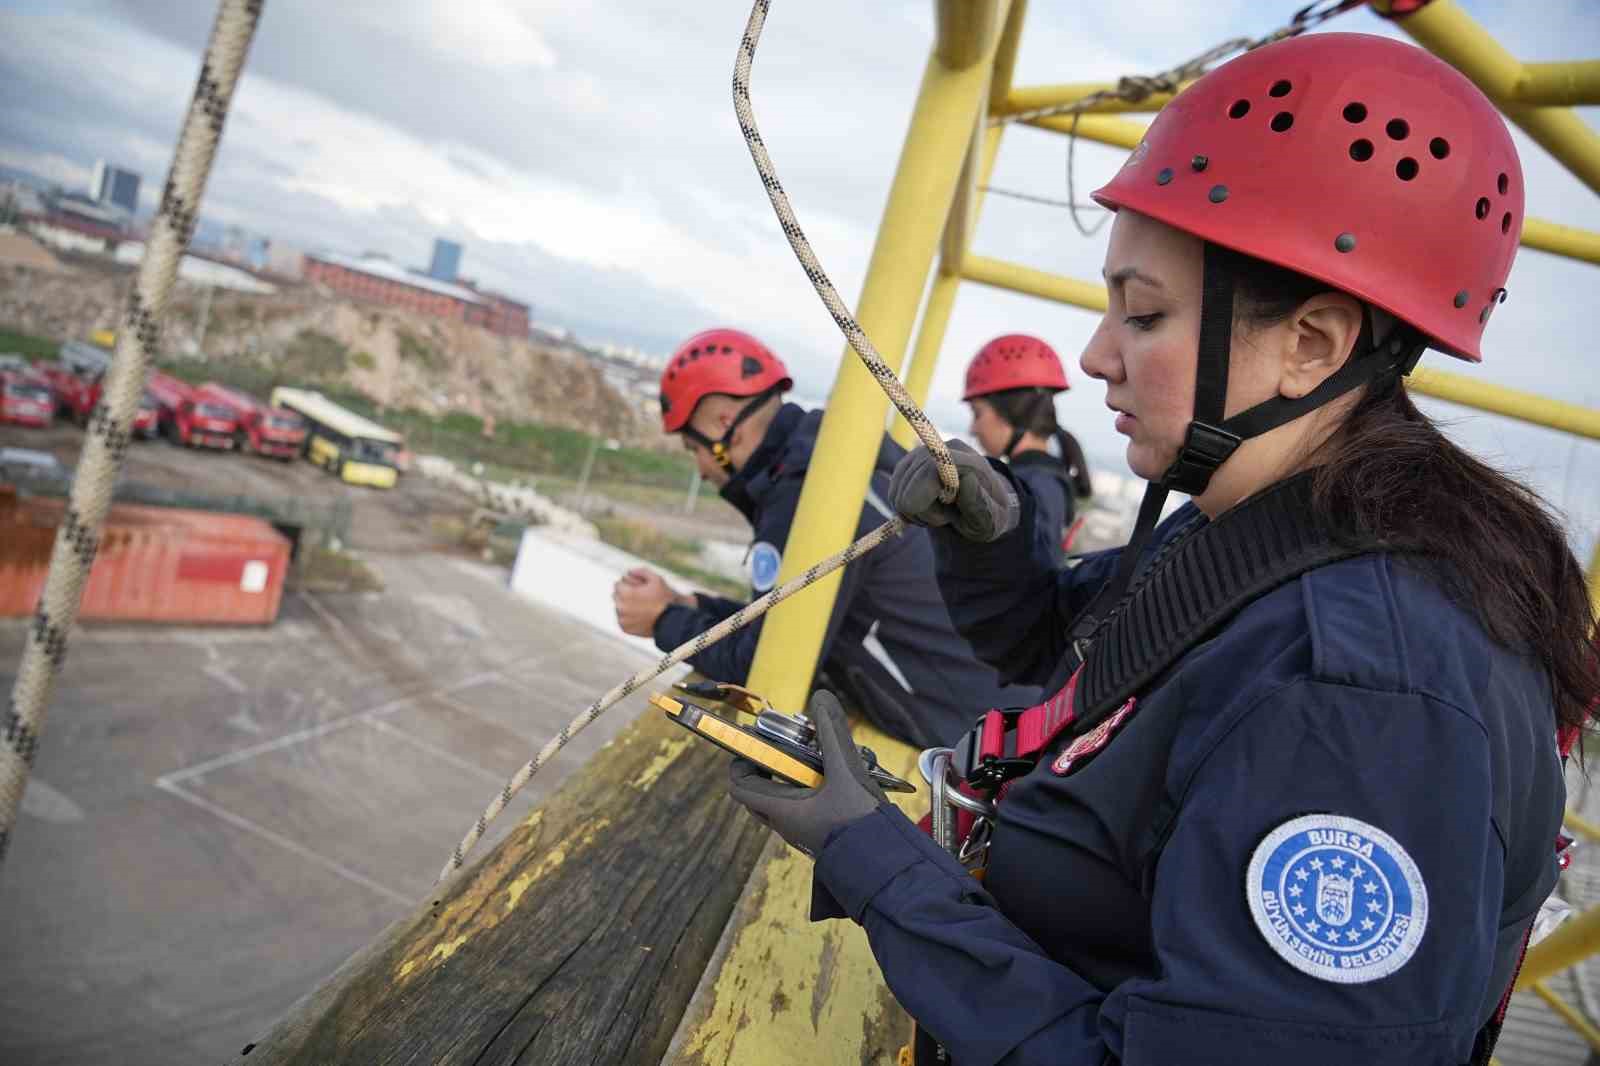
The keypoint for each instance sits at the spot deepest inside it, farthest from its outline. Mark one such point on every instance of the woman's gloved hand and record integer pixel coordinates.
(986, 506)
(806, 816)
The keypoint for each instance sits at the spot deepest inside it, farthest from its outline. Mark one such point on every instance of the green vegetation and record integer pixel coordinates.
(413, 350)
(364, 360)
(31, 346)
(314, 355)
(674, 553)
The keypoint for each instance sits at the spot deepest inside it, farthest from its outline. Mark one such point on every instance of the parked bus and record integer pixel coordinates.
(342, 442)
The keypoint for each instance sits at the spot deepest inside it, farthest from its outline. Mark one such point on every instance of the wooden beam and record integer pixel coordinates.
(580, 938)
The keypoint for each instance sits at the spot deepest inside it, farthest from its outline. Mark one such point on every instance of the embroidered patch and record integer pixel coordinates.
(1092, 741)
(764, 562)
(1337, 898)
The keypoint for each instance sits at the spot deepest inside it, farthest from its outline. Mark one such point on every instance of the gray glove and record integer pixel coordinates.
(805, 816)
(986, 506)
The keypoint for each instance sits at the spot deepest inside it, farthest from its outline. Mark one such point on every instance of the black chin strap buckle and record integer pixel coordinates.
(1205, 448)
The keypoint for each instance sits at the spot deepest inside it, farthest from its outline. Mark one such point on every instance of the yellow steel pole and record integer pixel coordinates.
(1594, 584)
(1450, 33)
(1032, 97)
(942, 299)
(1513, 403)
(1031, 282)
(1560, 84)
(1569, 1014)
(948, 104)
(1118, 132)
(1570, 241)
(1571, 941)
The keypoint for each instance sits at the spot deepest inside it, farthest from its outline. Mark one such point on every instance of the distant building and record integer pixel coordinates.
(446, 264)
(379, 280)
(73, 222)
(500, 314)
(112, 185)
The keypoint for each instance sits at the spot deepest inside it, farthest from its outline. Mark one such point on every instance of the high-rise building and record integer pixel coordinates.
(446, 265)
(114, 186)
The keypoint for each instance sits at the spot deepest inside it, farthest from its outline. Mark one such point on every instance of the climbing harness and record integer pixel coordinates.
(1198, 580)
(111, 425)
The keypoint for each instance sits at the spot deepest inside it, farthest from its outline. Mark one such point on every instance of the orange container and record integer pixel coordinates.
(154, 565)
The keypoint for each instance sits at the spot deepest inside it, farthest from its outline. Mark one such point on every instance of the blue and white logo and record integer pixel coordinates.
(764, 563)
(1337, 898)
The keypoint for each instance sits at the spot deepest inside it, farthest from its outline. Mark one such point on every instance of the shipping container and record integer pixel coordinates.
(155, 564)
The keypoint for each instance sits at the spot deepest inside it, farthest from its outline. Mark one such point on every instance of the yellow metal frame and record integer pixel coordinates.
(933, 207)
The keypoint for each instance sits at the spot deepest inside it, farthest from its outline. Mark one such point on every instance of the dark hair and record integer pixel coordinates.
(1492, 542)
(1033, 410)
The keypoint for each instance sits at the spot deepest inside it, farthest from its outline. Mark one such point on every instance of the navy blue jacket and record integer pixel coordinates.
(890, 647)
(1048, 483)
(1123, 918)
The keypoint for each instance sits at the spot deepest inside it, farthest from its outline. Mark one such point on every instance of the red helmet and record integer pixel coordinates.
(1359, 161)
(1014, 361)
(723, 361)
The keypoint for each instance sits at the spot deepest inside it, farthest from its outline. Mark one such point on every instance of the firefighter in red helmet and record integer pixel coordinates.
(1295, 795)
(890, 646)
(1011, 387)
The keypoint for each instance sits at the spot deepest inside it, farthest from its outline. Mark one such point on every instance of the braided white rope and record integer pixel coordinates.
(880, 370)
(110, 426)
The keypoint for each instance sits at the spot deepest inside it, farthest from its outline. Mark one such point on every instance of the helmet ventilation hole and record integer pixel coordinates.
(1361, 150)
(1406, 169)
(1218, 193)
(1355, 112)
(1439, 147)
(1345, 242)
(1398, 129)
(1504, 184)
(1280, 88)
(1461, 298)
(1282, 121)
(1240, 109)
(1482, 210)
(1505, 222)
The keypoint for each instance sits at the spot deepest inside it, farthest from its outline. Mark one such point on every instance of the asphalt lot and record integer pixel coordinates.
(219, 817)
(385, 520)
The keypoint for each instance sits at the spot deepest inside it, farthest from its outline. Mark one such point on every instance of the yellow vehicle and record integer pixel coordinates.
(104, 338)
(343, 443)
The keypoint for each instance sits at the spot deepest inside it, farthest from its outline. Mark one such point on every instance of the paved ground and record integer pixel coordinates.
(394, 520)
(219, 817)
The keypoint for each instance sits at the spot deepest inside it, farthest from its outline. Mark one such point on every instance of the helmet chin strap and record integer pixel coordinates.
(1212, 437)
(719, 447)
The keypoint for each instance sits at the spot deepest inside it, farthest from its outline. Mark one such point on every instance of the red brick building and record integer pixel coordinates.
(380, 281)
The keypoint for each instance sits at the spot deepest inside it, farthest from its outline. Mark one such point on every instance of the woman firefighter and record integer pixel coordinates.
(1011, 387)
(1296, 795)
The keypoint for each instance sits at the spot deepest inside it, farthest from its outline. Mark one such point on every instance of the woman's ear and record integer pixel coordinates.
(1322, 333)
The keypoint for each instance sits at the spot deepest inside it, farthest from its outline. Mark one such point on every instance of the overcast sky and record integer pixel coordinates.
(587, 157)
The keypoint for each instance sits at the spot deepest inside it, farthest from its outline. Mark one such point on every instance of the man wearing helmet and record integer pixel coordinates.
(1011, 386)
(890, 645)
(1296, 795)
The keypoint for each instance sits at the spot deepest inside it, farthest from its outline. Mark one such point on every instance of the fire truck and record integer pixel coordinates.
(190, 418)
(25, 398)
(272, 431)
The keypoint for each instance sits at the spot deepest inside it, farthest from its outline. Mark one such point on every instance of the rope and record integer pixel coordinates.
(110, 427)
(880, 370)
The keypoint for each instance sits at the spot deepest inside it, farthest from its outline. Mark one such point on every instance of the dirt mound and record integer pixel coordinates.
(304, 336)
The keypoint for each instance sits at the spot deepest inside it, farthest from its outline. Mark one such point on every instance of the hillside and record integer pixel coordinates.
(302, 336)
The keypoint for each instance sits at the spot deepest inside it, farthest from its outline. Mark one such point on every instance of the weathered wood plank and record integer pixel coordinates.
(783, 991)
(579, 939)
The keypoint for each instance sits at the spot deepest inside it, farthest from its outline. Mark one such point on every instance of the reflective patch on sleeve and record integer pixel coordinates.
(764, 563)
(1336, 898)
